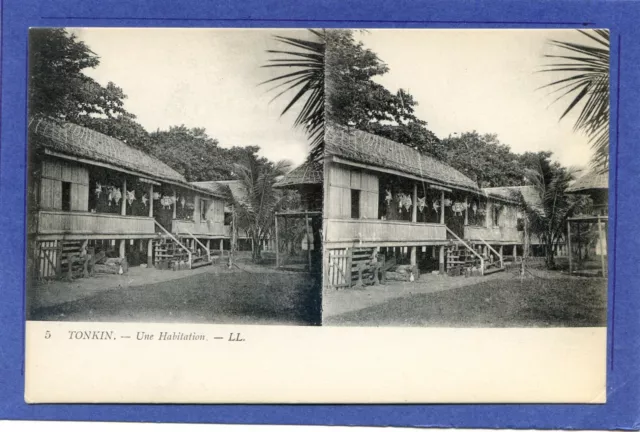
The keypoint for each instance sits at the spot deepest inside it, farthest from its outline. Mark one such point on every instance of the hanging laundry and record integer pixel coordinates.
(166, 202)
(436, 205)
(182, 201)
(131, 197)
(156, 196)
(98, 190)
(458, 208)
(144, 200)
(388, 197)
(110, 195)
(474, 208)
(422, 202)
(408, 202)
(447, 202)
(400, 198)
(117, 195)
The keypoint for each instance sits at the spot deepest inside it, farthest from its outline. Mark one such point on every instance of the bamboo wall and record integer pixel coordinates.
(342, 180)
(54, 172)
(214, 223)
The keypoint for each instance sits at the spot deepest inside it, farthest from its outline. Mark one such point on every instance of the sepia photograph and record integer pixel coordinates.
(157, 189)
(466, 178)
(317, 215)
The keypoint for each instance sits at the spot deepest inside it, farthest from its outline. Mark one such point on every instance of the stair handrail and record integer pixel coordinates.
(468, 247)
(200, 243)
(494, 251)
(175, 240)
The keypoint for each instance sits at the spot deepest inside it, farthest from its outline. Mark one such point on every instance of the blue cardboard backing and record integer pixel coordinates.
(621, 410)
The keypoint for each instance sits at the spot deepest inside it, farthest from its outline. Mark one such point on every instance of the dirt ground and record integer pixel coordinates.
(500, 300)
(250, 295)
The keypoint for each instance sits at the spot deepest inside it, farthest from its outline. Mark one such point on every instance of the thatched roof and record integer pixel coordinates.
(78, 141)
(590, 182)
(74, 140)
(369, 149)
(529, 194)
(215, 187)
(309, 173)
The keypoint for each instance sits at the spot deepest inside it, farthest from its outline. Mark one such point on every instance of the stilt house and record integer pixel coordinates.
(92, 192)
(382, 197)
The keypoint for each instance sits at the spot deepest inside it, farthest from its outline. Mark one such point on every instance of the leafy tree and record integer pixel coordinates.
(547, 219)
(254, 212)
(305, 73)
(355, 99)
(483, 158)
(586, 82)
(59, 89)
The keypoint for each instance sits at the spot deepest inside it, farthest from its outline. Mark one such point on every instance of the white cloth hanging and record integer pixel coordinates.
(131, 197)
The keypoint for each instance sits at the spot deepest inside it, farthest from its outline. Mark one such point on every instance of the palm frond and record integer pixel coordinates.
(586, 86)
(307, 80)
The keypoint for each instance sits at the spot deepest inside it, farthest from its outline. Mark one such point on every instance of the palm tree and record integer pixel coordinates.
(546, 215)
(585, 68)
(255, 206)
(304, 73)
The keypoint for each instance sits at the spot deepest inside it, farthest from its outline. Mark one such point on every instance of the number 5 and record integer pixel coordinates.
(47, 334)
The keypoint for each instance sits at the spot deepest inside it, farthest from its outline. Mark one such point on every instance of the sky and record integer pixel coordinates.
(463, 80)
(483, 80)
(201, 78)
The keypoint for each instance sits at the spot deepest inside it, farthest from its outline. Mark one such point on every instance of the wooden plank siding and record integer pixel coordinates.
(54, 172)
(363, 232)
(61, 224)
(213, 225)
(493, 234)
(342, 180)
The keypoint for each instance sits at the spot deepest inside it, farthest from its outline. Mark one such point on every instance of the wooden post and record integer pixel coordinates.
(175, 205)
(59, 258)
(150, 253)
(466, 211)
(569, 244)
(600, 236)
(122, 248)
(309, 244)
(150, 200)
(442, 207)
(221, 247)
(277, 243)
(414, 219)
(123, 205)
(515, 252)
(487, 216)
(441, 259)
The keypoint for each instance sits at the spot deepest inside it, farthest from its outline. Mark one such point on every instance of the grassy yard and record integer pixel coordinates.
(237, 297)
(534, 302)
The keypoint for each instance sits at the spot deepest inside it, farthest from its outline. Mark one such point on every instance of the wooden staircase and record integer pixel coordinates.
(459, 258)
(168, 254)
(171, 254)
